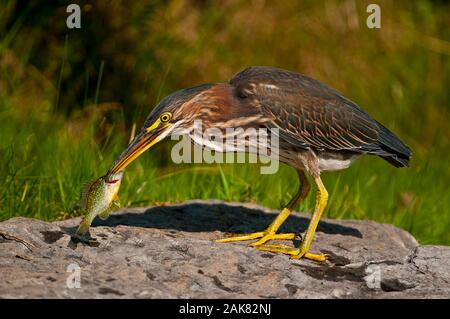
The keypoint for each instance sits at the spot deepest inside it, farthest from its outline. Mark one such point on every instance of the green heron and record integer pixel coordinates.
(319, 130)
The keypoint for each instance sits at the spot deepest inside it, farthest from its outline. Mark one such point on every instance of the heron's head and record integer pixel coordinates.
(213, 104)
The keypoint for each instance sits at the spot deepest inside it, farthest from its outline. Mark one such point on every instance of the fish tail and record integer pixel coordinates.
(84, 227)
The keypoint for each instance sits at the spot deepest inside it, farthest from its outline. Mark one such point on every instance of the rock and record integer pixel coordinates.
(169, 252)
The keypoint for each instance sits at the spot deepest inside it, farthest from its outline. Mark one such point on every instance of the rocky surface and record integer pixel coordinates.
(169, 252)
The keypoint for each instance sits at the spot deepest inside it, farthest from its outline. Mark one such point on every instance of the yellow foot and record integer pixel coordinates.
(296, 253)
(262, 234)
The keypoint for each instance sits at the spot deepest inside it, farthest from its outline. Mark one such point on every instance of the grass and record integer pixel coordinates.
(399, 74)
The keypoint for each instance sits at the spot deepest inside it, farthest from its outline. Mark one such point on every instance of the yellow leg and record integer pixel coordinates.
(302, 251)
(270, 232)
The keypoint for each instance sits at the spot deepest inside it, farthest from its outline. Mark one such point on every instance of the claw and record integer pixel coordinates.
(272, 236)
(240, 237)
(296, 253)
(263, 235)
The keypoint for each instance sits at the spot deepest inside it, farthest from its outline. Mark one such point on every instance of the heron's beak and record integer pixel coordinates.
(139, 145)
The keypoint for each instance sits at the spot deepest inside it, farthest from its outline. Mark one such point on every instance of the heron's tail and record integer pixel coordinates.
(393, 149)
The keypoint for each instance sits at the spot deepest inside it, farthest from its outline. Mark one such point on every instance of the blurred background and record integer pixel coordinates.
(69, 99)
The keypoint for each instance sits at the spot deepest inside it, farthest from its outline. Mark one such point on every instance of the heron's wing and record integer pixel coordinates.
(307, 112)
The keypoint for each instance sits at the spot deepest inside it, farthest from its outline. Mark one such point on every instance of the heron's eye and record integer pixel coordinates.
(165, 117)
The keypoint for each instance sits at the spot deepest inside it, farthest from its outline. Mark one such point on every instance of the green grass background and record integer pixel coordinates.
(70, 98)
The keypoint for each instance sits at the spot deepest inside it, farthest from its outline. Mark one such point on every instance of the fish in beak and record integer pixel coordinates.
(96, 199)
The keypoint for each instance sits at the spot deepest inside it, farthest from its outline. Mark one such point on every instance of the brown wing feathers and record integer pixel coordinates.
(311, 114)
